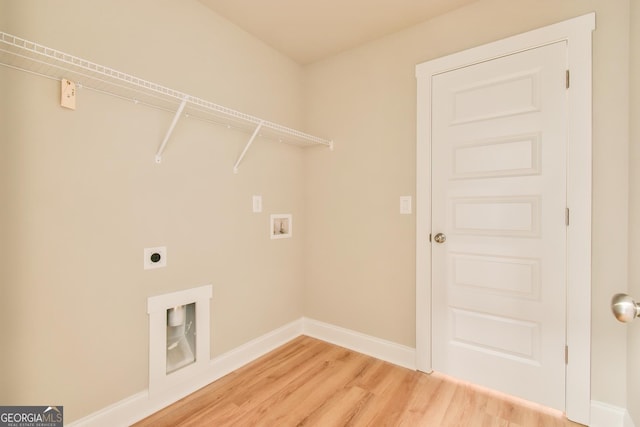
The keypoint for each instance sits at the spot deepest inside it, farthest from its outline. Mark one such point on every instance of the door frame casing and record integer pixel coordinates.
(577, 34)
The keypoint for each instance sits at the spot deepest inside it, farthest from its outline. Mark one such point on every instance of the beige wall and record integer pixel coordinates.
(82, 196)
(633, 362)
(360, 263)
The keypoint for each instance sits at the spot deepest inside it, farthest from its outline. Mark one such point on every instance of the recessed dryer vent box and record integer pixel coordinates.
(155, 257)
(281, 226)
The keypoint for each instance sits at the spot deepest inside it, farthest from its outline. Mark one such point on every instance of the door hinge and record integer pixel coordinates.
(566, 217)
(567, 79)
(566, 354)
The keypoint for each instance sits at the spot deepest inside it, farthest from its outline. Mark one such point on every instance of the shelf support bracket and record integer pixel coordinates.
(246, 147)
(170, 130)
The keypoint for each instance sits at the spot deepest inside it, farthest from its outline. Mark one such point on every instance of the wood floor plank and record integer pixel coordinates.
(294, 404)
(308, 382)
(419, 403)
(341, 408)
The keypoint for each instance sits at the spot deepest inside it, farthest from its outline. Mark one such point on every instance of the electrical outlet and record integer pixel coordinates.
(257, 204)
(405, 205)
(155, 257)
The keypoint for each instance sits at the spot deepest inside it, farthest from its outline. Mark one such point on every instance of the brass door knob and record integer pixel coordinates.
(440, 238)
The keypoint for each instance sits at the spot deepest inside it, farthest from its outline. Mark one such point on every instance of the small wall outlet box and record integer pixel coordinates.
(281, 226)
(155, 257)
(68, 94)
(405, 205)
(257, 204)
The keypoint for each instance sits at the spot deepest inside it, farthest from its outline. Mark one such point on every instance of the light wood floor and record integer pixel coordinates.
(308, 382)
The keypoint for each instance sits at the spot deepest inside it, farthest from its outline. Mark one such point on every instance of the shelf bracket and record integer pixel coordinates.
(246, 147)
(170, 130)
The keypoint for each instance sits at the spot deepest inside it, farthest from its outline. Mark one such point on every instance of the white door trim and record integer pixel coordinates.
(577, 33)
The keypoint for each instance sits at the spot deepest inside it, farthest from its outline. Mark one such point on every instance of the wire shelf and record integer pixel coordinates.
(25, 55)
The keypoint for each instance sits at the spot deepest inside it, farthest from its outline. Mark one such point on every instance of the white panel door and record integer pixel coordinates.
(499, 132)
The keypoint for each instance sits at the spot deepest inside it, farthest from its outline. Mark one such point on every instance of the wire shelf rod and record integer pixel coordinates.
(170, 131)
(253, 136)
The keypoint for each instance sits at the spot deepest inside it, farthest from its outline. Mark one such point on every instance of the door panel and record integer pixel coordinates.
(515, 156)
(499, 135)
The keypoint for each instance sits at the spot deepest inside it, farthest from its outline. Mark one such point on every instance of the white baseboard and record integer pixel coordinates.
(240, 356)
(141, 405)
(605, 415)
(366, 344)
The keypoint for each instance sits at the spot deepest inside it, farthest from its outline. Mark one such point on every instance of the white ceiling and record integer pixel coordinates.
(308, 31)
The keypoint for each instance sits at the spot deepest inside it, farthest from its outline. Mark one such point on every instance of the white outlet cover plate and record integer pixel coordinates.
(148, 253)
(257, 204)
(405, 205)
